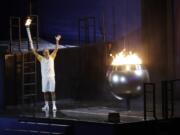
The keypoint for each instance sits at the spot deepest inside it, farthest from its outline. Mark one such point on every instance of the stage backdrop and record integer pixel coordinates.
(116, 18)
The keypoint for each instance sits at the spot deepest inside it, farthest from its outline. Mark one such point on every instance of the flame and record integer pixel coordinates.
(124, 58)
(28, 22)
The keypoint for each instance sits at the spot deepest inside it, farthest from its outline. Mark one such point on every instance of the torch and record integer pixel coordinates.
(27, 24)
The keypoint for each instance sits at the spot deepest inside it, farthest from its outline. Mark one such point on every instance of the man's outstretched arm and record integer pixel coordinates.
(38, 56)
(53, 54)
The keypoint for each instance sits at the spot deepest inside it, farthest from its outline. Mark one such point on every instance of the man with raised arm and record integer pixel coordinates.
(48, 74)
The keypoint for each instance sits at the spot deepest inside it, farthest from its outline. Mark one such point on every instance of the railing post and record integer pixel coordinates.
(164, 85)
(154, 100)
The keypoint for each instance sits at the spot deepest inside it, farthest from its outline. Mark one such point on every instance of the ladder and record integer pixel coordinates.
(29, 79)
(25, 60)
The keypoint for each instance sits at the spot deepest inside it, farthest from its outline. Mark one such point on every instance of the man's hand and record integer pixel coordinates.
(58, 37)
(53, 54)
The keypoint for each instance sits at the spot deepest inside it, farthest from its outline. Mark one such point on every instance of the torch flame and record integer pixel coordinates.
(124, 58)
(28, 22)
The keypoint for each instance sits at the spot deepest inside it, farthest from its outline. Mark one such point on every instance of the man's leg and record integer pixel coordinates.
(53, 95)
(46, 100)
(45, 92)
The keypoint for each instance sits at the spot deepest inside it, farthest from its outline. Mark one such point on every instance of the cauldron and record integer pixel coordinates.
(126, 81)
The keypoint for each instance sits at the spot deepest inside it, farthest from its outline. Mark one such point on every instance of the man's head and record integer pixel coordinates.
(46, 53)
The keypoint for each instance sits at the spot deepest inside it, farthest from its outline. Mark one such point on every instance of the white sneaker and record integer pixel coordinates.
(54, 109)
(54, 114)
(46, 113)
(45, 108)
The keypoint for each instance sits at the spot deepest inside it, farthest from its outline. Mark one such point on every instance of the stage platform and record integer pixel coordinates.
(81, 111)
(89, 111)
(85, 121)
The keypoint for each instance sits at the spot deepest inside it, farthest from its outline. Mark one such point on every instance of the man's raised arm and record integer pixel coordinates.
(38, 56)
(53, 54)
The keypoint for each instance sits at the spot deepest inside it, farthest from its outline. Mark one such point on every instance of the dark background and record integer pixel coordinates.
(62, 16)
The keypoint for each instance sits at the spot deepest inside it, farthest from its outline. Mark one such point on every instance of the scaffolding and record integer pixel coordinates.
(87, 30)
(26, 63)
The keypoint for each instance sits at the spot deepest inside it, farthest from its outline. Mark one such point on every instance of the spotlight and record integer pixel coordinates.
(122, 79)
(115, 78)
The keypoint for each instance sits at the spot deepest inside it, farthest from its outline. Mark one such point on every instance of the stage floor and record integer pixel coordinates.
(78, 111)
(88, 111)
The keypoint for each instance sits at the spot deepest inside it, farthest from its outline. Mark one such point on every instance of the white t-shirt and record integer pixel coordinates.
(47, 67)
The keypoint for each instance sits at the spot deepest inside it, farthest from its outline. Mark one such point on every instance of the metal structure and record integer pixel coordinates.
(29, 79)
(87, 30)
(167, 98)
(168, 88)
(149, 93)
(15, 34)
(26, 64)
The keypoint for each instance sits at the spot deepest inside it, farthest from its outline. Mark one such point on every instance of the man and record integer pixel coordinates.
(48, 74)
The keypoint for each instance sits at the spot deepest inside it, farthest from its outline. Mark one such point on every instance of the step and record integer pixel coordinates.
(29, 95)
(39, 127)
(29, 62)
(29, 73)
(44, 127)
(28, 132)
(29, 84)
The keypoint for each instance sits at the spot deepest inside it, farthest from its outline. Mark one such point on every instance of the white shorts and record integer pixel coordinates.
(48, 84)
